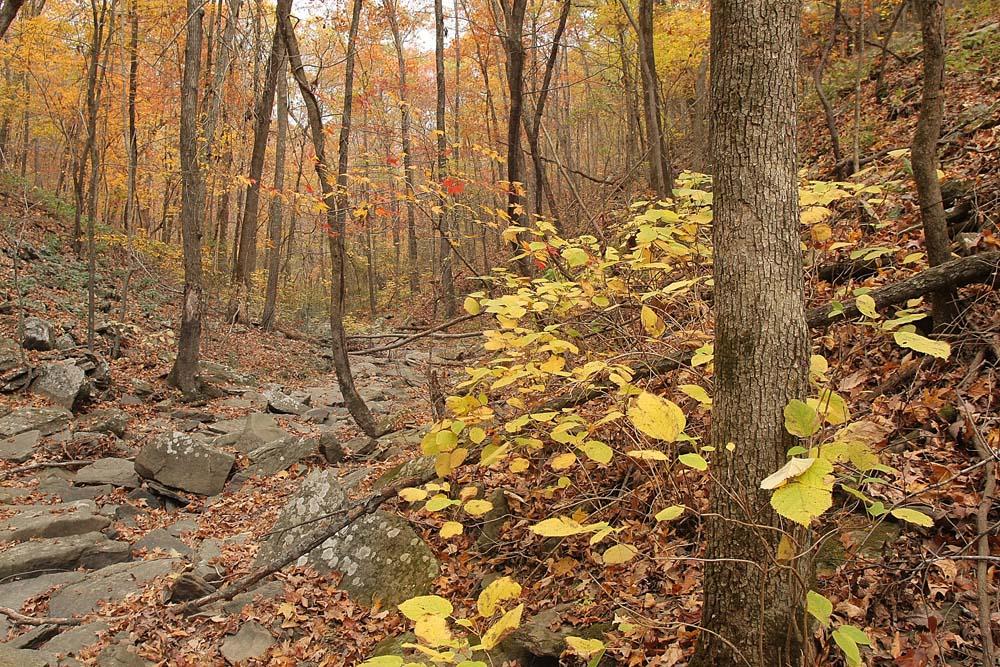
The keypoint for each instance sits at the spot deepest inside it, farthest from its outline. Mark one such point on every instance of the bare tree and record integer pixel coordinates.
(184, 374)
(514, 50)
(751, 614)
(445, 252)
(267, 320)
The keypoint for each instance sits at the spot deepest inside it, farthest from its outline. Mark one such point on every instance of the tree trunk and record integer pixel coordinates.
(828, 113)
(751, 613)
(8, 10)
(445, 253)
(924, 152)
(267, 320)
(514, 49)
(404, 131)
(238, 310)
(184, 374)
(131, 134)
(335, 196)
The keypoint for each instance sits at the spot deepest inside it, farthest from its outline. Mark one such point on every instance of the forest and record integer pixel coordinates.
(499, 333)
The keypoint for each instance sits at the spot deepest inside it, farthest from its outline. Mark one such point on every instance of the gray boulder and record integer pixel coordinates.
(319, 495)
(213, 373)
(108, 420)
(62, 382)
(44, 420)
(280, 454)
(283, 404)
(329, 445)
(10, 355)
(19, 448)
(252, 641)
(117, 472)
(16, 657)
(52, 521)
(259, 429)
(111, 583)
(14, 594)
(70, 642)
(177, 460)
(38, 335)
(90, 550)
(418, 467)
(121, 654)
(325, 396)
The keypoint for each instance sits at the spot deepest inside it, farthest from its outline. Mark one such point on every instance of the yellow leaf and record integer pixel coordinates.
(790, 470)
(438, 503)
(412, 495)
(656, 417)
(918, 343)
(553, 364)
(425, 605)
(560, 526)
(866, 304)
(821, 232)
(472, 306)
(801, 418)
(506, 625)
(618, 554)
(597, 451)
(651, 322)
(786, 549)
(669, 513)
(584, 648)
(831, 406)
(477, 435)
(477, 507)
(498, 591)
(451, 529)
(696, 392)
(433, 631)
(913, 516)
(563, 461)
(692, 460)
(520, 464)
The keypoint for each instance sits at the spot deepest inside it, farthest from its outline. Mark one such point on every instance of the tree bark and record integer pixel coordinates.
(247, 251)
(751, 612)
(514, 49)
(8, 10)
(924, 152)
(267, 320)
(335, 196)
(184, 374)
(444, 252)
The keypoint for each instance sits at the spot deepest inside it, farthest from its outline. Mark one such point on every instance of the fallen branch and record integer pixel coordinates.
(21, 619)
(416, 336)
(44, 464)
(981, 268)
(352, 514)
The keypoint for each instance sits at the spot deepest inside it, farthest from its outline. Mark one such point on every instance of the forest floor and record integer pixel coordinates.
(913, 589)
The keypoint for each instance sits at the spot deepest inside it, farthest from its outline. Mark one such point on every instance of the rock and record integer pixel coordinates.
(325, 396)
(381, 558)
(239, 403)
(360, 446)
(319, 495)
(64, 383)
(417, 467)
(142, 389)
(408, 438)
(396, 646)
(14, 594)
(121, 654)
(9, 496)
(192, 414)
(283, 404)
(130, 400)
(117, 472)
(867, 543)
(108, 420)
(72, 641)
(544, 635)
(189, 586)
(111, 583)
(214, 373)
(176, 460)
(280, 454)
(329, 445)
(317, 415)
(67, 493)
(161, 538)
(13, 657)
(10, 355)
(44, 420)
(252, 641)
(266, 591)
(226, 426)
(21, 447)
(90, 550)
(38, 335)
(259, 429)
(65, 342)
(52, 521)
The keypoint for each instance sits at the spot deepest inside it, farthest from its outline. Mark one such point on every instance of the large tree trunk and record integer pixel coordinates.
(267, 320)
(445, 252)
(335, 196)
(404, 131)
(184, 374)
(131, 134)
(247, 251)
(751, 604)
(924, 152)
(514, 49)
(8, 10)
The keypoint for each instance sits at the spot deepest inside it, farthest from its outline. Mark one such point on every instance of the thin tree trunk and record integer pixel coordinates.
(751, 612)
(8, 10)
(514, 49)
(335, 196)
(828, 113)
(184, 373)
(267, 320)
(445, 253)
(883, 58)
(924, 152)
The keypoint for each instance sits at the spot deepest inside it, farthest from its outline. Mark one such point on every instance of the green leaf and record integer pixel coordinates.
(857, 634)
(820, 607)
(597, 451)
(696, 392)
(801, 419)
(807, 496)
(850, 647)
(918, 343)
(913, 516)
(693, 460)
(575, 257)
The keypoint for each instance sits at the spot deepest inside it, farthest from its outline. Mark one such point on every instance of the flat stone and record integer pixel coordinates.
(52, 521)
(176, 460)
(266, 591)
(116, 472)
(44, 420)
(90, 550)
(189, 586)
(63, 382)
(283, 404)
(259, 429)
(226, 426)
(252, 641)
(417, 467)
(161, 539)
(13, 657)
(121, 654)
(64, 490)
(10, 354)
(360, 446)
(72, 641)
(107, 420)
(111, 583)
(21, 447)
(38, 334)
(14, 594)
(317, 415)
(279, 455)
(325, 396)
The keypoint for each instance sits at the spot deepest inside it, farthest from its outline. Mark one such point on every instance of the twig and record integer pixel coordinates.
(21, 619)
(410, 339)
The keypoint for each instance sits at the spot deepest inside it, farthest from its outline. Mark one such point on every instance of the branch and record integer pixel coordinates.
(410, 339)
(20, 619)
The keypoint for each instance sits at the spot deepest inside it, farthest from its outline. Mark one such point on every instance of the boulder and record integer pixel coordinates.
(329, 397)
(176, 460)
(544, 635)
(417, 467)
(71, 641)
(259, 429)
(10, 355)
(319, 495)
(108, 420)
(280, 454)
(52, 521)
(13, 595)
(161, 539)
(38, 335)
(283, 404)
(213, 373)
(21, 447)
(14, 657)
(121, 654)
(62, 382)
(111, 583)
(90, 550)
(252, 641)
(189, 586)
(329, 445)
(117, 472)
(317, 415)
(44, 420)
